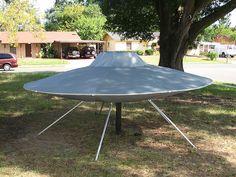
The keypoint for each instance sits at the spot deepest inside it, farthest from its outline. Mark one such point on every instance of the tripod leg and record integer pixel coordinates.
(60, 118)
(101, 108)
(103, 133)
(169, 121)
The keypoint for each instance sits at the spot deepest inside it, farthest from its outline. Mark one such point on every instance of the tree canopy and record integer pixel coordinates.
(19, 15)
(179, 22)
(214, 31)
(220, 29)
(87, 20)
(65, 2)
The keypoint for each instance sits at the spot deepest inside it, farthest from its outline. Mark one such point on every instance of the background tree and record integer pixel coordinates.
(225, 21)
(19, 15)
(87, 20)
(65, 2)
(219, 29)
(179, 21)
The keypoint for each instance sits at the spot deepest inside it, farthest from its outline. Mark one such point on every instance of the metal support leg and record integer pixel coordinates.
(60, 118)
(101, 107)
(169, 121)
(103, 133)
(118, 118)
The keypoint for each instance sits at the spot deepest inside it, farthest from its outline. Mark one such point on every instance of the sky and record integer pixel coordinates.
(43, 5)
(233, 18)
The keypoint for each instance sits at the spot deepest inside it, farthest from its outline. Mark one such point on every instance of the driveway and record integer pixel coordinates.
(73, 64)
(217, 72)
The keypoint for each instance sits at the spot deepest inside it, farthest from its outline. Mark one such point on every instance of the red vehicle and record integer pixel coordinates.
(8, 61)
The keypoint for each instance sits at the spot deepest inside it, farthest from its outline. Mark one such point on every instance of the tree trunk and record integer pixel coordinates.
(173, 47)
(178, 30)
(174, 33)
(171, 52)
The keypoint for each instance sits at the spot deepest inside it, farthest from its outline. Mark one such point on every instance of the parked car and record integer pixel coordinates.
(72, 52)
(88, 52)
(8, 61)
(226, 50)
(223, 50)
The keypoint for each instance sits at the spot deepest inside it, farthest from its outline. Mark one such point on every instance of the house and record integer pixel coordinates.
(224, 40)
(216, 47)
(154, 42)
(116, 42)
(29, 44)
(202, 47)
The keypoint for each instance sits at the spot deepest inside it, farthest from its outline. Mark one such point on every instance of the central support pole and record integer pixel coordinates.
(118, 118)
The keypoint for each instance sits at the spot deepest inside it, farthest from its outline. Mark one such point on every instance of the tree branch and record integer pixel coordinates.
(198, 26)
(200, 4)
(157, 6)
(164, 15)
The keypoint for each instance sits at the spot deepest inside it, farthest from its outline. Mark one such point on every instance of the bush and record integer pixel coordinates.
(203, 53)
(48, 51)
(212, 55)
(139, 52)
(149, 52)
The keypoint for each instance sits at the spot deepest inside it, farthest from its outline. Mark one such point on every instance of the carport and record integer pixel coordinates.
(61, 45)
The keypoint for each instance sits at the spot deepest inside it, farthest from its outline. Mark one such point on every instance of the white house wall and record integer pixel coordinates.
(137, 46)
(122, 46)
(110, 46)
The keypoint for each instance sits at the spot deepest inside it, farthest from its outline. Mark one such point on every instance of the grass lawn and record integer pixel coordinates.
(29, 62)
(187, 59)
(207, 116)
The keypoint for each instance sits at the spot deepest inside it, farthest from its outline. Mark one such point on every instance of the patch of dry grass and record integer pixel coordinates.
(148, 146)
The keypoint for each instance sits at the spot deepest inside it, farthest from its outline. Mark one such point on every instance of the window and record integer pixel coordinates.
(12, 49)
(128, 46)
(212, 46)
(5, 56)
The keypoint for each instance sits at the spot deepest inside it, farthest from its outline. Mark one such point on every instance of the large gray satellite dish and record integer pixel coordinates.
(118, 77)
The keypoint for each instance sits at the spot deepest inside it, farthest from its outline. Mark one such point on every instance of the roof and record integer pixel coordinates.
(79, 41)
(119, 37)
(40, 37)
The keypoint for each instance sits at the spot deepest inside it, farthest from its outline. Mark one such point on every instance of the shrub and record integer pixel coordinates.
(149, 52)
(212, 55)
(48, 51)
(139, 52)
(203, 53)
(153, 45)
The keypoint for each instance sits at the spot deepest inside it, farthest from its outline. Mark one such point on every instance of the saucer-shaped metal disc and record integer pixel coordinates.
(118, 77)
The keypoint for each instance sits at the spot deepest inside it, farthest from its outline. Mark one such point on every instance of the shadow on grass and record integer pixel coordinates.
(68, 148)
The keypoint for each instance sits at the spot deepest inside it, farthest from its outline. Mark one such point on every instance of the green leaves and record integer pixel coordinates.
(19, 15)
(133, 18)
(87, 21)
(214, 31)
